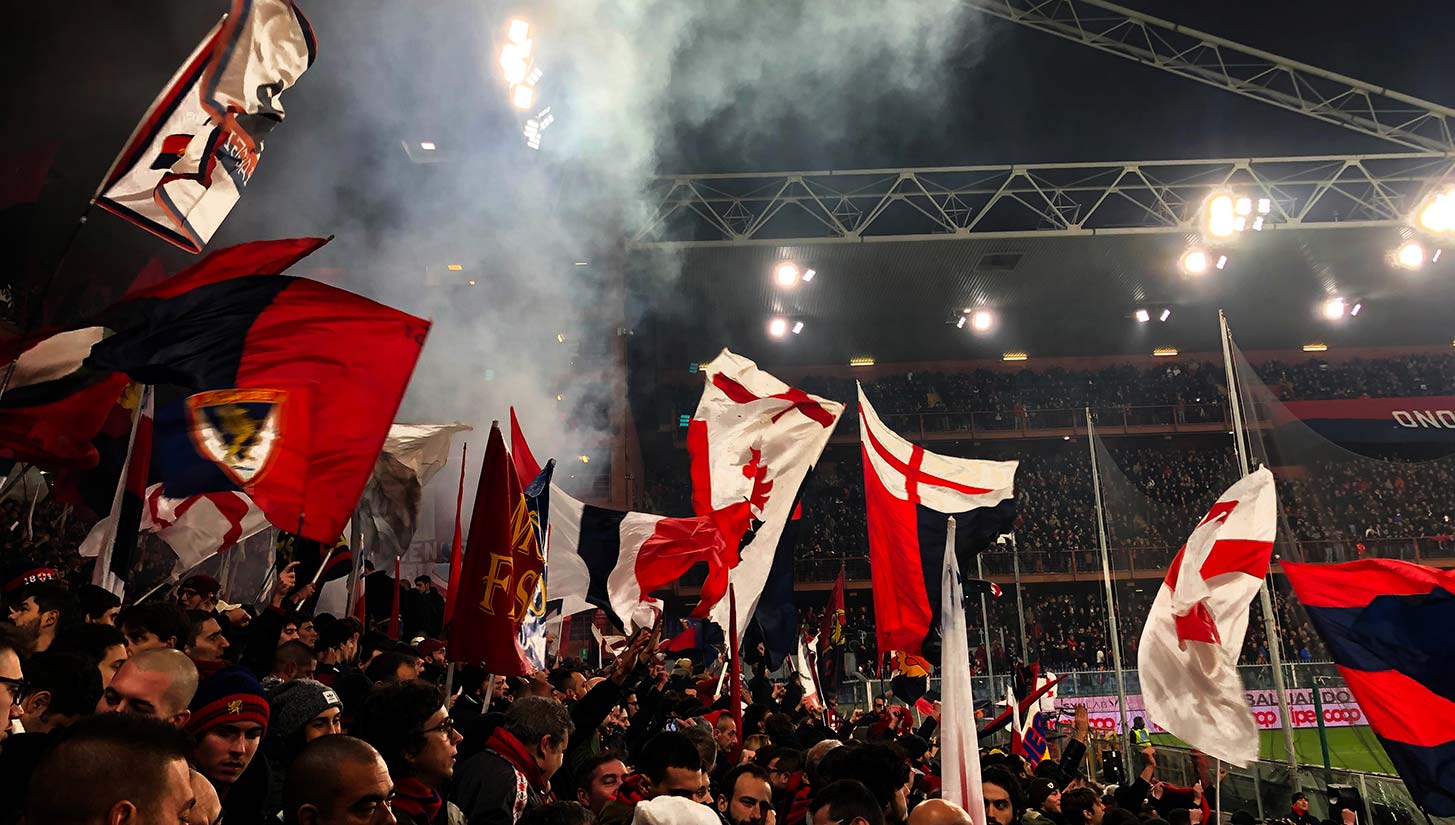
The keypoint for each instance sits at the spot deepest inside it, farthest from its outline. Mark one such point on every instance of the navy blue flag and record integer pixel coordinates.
(1387, 625)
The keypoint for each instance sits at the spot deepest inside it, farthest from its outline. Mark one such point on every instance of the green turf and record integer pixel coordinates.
(1353, 749)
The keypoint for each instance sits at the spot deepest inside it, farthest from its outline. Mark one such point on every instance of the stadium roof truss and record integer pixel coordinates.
(1022, 200)
(1018, 200)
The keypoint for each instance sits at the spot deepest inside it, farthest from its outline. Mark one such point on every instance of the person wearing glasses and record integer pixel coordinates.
(409, 725)
(338, 780)
(513, 774)
(12, 678)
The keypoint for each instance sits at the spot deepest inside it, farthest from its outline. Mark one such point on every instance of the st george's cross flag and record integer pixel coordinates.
(1387, 625)
(1188, 656)
(908, 492)
(615, 560)
(752, 442)
(186, 164)
(196, 528)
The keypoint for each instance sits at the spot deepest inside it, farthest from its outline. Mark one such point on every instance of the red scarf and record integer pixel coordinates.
(417, 799)
(511, 750)
(633, 789)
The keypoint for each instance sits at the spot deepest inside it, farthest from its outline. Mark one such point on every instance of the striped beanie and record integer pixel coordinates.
(229, 696)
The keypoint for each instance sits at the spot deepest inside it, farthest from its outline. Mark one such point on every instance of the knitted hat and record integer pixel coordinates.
(1038, 789)
(297, 701)
(674, 810)
(229, 696)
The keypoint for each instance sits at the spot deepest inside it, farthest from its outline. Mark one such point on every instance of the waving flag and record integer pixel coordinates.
(196, 528)
(752, 442)
(959, 742)
(831, 642)
(908, 491)
(186, 164)
(53, 408)
(1188, 656)
(615, 560)
(294, 383)
(1387, 624)
(412, 454)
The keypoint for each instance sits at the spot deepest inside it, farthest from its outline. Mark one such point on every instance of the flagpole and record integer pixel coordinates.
(984, 622)
(1265, 600)
(1020, 606)
(1114, 633)
(394, 615)
(735, 674)
(356, 542)
(101, 574)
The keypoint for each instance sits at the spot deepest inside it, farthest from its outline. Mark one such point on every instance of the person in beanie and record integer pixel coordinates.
(1043, 802)
(513, 774)
(229, 716)
(409, 725)
(303, 710)
(198, 592)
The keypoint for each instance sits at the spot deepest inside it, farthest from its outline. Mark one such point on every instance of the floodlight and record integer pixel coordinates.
(455, 267)
(786, 274)
(1258, 224)
(1410, 255)
(778, 327)
(585, 459)
(1355, 310)
(426, 145)
(523, 97)
(1438, 212)
(1265, 206)
(513, 63)
(1436, 257)
(1316, 346)
(1195, 262)
(808, 275)
(1219, 216)
(1334, 308)
(1166, 313)
(1143, 316)
(861, 361)
(960, 324)
(472, 282)
(518, 31)
(1014, 356)
(1165, 352)
(1222, 261)
(797, 327)
(560, 337)
(982, 320)
(1244, 206)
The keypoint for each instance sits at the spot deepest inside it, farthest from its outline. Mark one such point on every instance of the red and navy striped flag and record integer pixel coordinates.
(1387, 624)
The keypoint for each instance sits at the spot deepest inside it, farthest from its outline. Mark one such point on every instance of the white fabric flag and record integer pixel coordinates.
(1188, 656)
(196, 527)
(752, 442)
(186, 164)
(804, 664)
(959, 740)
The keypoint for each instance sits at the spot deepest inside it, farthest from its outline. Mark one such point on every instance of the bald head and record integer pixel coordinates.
(939, 812)
(333, 774)
(209, 807)
(815, 755)
(158, 683)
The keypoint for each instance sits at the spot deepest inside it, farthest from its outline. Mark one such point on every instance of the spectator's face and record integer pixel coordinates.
(422, 587)
(139, 639)
(10, 678)
(223, 753)
(208, 807)
(575, 689)
(998, 809)
(778, 776)
(307, 634)
(1097, 811)
(107, 618)
(1052, 803)
(177, 802)
(725, 734)
(210, 642)
(360, 796)
(190, 599)
(435, 762)
(407, 671)
(143, 692)
(1301, 806)
(703, 795)
(111, 662)
(324, 724)
(290, 632)
(27, 617)
(601, 788)
(750, 801)
(677, 782)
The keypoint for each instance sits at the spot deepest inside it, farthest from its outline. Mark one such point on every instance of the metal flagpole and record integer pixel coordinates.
(1020, 605)
(1270, 622)
(985, 624)
(356, 541)
(1113, 635)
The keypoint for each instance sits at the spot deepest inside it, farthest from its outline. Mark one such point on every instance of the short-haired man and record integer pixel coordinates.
(408, 723)
(939, 812)
(1082, 806)
(846, 802)
(12, 678)
(229, 716)
(524, 752)
(338, 780)
(205, 642)
(881, 769)
(391, 667)
(670, 766)
(61, 689)
(292, 660)
(98, 605)
(568, 683)
(40, 610)
(152, 625)
(113, 768)
(100, 644)
(597, 780)
(159, 683)
(747, 796)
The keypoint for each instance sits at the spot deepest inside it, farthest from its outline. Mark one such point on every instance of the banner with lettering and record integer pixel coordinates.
(1374, 420)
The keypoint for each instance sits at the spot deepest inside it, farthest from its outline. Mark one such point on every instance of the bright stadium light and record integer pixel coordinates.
(1222, 261)
(786, 274)
(1220, 219)
(517, 31)
(778, 327)
(808, 275)
(1244, 206)
(427, 145)
(1354, 310)
(960, 324)
(1166, 313)
(982, 320)
(1437, 214)
(1334, 309)
(1143, 316)
(515, 62)
(1195, 262)
(797, 327)
(1434, 259)
(1410, 255)
(523, 97)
